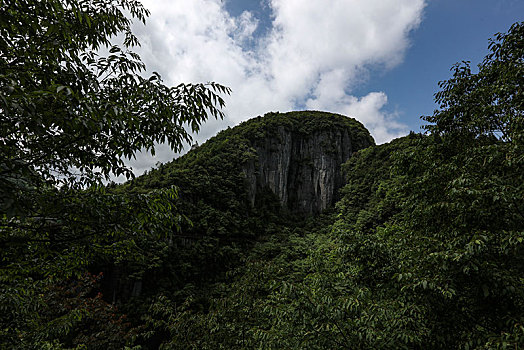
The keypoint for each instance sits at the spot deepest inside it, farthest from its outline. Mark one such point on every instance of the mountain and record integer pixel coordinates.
(296, 156)
(422, 250)
(289, 231)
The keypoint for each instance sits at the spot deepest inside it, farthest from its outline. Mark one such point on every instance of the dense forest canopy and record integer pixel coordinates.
(69, 118)
(424, 248)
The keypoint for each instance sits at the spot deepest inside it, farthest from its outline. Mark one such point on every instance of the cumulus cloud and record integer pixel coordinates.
(312, 57)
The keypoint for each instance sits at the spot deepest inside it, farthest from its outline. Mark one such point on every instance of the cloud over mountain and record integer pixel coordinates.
(312, 56)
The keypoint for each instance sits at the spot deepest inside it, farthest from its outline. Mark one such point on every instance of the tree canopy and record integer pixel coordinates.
(425, 248)
(73, 107)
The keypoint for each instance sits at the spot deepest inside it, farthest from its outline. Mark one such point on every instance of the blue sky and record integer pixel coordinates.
(378, 61)
(451, 31)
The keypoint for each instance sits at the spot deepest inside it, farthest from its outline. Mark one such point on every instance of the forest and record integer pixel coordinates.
(422, 246)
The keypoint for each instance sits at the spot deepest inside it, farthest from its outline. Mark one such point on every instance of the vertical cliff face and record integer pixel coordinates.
(299, 158)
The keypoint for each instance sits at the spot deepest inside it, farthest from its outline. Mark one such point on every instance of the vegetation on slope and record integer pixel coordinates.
(218, 225)
(424, 250)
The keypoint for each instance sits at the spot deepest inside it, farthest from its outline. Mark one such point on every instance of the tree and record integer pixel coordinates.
(468, 197)
(70, 113)
(69, 117)
(487, 103)
(457, 243)
(451, 245)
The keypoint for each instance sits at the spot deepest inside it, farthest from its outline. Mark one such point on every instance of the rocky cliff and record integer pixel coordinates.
(295, 155)
(298, 155)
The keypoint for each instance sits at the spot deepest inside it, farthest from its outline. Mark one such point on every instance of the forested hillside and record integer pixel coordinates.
(289, 231)
(226, 207)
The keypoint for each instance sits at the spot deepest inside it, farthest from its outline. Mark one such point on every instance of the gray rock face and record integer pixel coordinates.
(303, 170)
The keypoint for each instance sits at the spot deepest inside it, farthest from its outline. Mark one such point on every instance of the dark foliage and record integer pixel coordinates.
(69, 116)
(425, 249)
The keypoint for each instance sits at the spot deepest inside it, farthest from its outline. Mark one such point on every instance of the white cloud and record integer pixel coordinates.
(315, 53)
(329, 96)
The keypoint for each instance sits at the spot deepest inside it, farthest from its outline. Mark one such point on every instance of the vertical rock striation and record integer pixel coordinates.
(298, 155)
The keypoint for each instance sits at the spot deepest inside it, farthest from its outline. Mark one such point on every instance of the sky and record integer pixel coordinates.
(378, 61)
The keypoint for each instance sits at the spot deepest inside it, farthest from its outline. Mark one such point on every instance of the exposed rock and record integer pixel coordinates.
(297, 156)
(300, 160)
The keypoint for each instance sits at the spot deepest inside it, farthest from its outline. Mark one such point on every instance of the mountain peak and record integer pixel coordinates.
(297, 155)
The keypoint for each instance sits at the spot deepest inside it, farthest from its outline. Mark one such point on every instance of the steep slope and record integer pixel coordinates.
(296, 156)
(299, 157)
(246, 185)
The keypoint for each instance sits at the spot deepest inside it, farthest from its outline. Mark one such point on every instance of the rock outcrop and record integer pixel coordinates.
(298, 156)
(295, 157)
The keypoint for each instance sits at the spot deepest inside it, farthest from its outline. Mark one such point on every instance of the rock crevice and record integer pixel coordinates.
(301, 169)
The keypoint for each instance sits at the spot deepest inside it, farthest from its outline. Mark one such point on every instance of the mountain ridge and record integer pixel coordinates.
(295, 155)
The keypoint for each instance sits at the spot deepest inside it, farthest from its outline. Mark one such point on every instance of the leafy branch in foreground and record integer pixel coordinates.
(69, 116)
